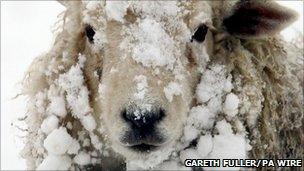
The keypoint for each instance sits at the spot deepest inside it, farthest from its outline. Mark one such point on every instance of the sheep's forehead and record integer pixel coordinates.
(165, 11)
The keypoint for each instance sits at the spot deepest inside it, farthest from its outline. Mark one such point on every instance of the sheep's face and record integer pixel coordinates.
(151, 65)
(152, 55)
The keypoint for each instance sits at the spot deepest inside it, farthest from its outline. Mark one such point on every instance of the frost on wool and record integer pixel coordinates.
(58, 141)
(72, 82)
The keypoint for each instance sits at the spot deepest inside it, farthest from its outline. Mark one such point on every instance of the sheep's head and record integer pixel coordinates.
(152, 55)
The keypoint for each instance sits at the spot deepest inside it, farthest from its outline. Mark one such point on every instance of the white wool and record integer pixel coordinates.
(214, 82)
(201, 117)
(116, 10)
(57, 106)
(172, 89)
(231, 104)
(58, 141)
(49, 124)
(88, 122)
(54, 162)
(40, 102)
(82, 158)
(205, 145)
(141, 86)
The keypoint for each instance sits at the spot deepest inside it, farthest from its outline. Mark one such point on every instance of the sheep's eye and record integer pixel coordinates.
(90, 33)
(200, 33)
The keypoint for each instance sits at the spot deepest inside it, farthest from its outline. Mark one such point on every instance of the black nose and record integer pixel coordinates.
(141, 119)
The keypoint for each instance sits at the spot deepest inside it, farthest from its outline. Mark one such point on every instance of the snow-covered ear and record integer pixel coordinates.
(257, 18)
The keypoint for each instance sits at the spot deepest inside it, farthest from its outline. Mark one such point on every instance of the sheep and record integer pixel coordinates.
(145, 85)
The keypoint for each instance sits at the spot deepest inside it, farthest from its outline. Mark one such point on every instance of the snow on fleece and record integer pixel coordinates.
(215, 86)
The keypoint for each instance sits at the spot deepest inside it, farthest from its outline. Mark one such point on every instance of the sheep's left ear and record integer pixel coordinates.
(256, 18)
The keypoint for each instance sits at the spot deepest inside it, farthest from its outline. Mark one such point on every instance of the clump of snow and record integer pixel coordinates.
(58, 141)
(213, 82)
(72, 82)
(172, 89)
(201, 117)
(190, 133)
(205, 145)
(231, 104)
(142, 86)
(88, 122)
(147, 49)
(49, 124)
(53, 162)
(82, 158)
(116, 10)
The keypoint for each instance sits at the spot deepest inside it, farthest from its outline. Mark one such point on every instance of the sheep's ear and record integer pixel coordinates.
(256, 18)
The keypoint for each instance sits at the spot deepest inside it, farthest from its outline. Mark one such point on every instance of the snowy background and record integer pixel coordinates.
(26, 33)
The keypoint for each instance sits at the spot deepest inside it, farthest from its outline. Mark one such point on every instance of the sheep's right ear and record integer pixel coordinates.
(256, 18)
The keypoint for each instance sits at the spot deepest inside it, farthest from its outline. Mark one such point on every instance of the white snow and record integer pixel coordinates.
(201, 117)
(82, 158)
(231, 104)
(49, 124)
(142, 86)
(172, 89)
(15, 38)
(213, 82)
(54, 162)
(116, 10)
(57, 102)
(88, 122)
(77, 94)
(205, 145)
(58, 141)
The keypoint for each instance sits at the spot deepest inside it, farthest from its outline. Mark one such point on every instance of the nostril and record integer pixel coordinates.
(143, 118)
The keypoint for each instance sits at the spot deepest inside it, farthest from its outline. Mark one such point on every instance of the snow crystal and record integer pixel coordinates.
(82, 158)
(53, 162)
(231, 105)
(172, 89)
(116, 10)
(49, 124)
(205, 145)
(58, 141)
